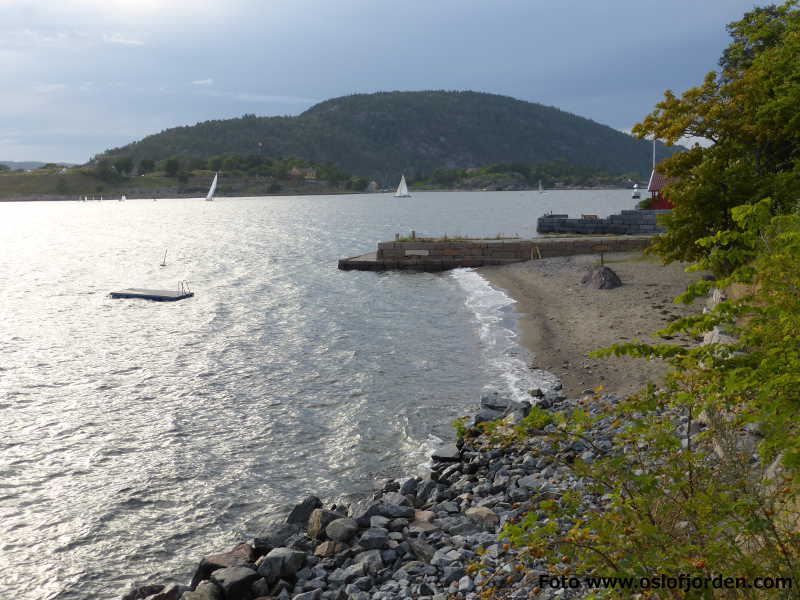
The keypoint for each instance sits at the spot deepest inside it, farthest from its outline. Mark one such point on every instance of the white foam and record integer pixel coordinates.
(508, 362)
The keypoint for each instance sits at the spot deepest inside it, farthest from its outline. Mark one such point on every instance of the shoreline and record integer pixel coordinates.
(417, 536)
(561, 320)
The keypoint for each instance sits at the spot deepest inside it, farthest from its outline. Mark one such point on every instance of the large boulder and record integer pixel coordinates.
(341, 530)
(281, 563)
(235, 582)
(204, 591)
(601, 278)
(239, 555)
(319, 520)
(301, 512)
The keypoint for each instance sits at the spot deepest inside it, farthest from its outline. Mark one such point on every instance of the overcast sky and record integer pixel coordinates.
(80, 76)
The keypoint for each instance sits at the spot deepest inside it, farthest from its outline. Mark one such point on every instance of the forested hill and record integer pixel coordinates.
(384, 134)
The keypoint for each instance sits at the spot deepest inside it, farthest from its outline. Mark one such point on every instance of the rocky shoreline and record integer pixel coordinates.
(436, 537)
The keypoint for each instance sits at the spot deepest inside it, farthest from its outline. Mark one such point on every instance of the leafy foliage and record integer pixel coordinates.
(683, 503)
(748, 110)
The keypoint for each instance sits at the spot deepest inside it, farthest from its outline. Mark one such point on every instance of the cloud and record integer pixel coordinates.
(208, 81)
(48, 88)
(252, 97)
(118, 38)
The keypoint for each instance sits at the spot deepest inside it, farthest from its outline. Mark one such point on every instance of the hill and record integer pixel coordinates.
(384, 134)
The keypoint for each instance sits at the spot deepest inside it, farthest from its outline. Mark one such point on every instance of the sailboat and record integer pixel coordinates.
(636, 194)
(213, 188)
(541, 189)
(402, 189)
(164, 262)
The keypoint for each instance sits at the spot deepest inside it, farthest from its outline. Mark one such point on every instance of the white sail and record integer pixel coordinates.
(541, 189)
(402, 189)
(212, 189)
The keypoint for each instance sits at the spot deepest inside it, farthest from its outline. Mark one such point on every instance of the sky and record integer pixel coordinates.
(78, 77)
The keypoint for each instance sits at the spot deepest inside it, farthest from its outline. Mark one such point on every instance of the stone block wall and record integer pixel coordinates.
(628, 222)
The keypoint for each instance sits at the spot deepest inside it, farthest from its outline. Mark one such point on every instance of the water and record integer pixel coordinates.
(137, 436)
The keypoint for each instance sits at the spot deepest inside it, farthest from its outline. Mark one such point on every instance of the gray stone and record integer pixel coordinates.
(235, 582)
(205, 590)
(363, 511)
(447, 453)
(492, 400)
(484, 516)
(281, 563)
(601, 278)
(313, 595)
(486, 416)
(348, 575)
(374, 537)
(260, 588)
(371, 559)
(341, 530)
(421, 549)
(301, 512)
(241, 554)
(409, 486)
(319, 520)
(395, 511)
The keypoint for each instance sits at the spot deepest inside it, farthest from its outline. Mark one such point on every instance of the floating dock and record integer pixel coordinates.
(440, 255)
(157, 295)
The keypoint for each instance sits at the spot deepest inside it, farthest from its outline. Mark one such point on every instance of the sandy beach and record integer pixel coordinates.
(562, 320)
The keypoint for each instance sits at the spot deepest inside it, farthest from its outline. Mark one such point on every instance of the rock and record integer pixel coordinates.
(371, 559)
(465, 584)
(301, 512)
(427, 492)
(421, 549)
(484, 516)
(409, 486)
(313, 595)
(395, 511)
(319, 520)
(139, 592)
(235, 582)
(341, 530)
(260, 588)
(281, 563)
(172, 592)
(363, 511)
(601, 278)
(447, 453)
(204, 591)
(374, 538)
(395, 498)
(274, 536)
(492, 400)
(486, 416)
(348, 575)
(243, 553)
(329, 548)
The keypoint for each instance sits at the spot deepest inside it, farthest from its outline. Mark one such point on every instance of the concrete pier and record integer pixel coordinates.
(421, 255)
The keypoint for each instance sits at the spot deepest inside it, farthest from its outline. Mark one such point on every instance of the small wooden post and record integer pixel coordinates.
(413, 234)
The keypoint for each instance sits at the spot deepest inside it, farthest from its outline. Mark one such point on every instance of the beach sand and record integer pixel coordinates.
(561, 320)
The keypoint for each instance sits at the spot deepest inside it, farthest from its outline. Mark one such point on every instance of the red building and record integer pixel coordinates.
(656, 188)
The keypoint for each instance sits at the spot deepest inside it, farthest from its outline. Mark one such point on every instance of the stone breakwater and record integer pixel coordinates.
(432, 538)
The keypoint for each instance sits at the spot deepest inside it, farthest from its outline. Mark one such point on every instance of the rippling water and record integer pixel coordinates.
(137, 436)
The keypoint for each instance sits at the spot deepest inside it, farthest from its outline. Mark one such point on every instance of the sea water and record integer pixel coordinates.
(137, 436)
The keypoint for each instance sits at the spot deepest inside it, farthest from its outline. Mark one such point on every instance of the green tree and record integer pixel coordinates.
(123, 165)
(748, 111)
(146, 166)
(104, 169)
(171, 166)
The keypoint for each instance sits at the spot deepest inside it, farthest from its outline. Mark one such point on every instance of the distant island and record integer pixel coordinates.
(363, 142)
(383, 135)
